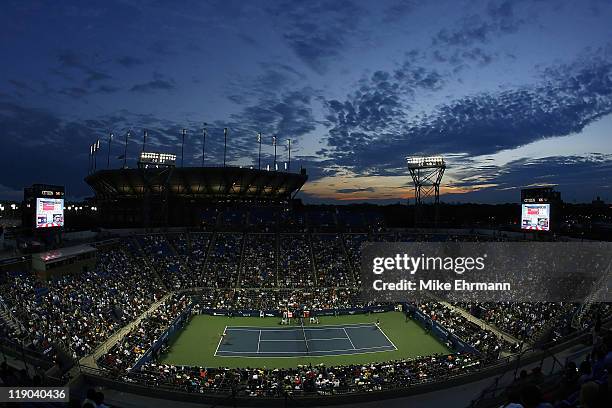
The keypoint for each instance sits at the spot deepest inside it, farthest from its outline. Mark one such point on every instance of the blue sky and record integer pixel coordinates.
(513, 93)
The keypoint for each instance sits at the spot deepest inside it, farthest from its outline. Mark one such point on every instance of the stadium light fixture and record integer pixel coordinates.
(426, 173)
(425, 161)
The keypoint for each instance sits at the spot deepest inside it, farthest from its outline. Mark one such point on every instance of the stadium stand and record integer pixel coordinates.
(259, 271)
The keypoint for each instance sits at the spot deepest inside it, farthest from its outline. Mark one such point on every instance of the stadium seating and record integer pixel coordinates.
(238, 271)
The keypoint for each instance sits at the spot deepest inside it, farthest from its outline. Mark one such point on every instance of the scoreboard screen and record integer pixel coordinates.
(49, 212)
(535, 217)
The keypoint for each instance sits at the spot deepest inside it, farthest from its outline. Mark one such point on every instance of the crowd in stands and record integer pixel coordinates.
(124, 354)
(319, 379)
(353, 243)
(224, 259)
(483, 340)
(259, 261)
(295, 262)
(80, 311)
(580, 384)
(521, 320)
(274, 300)
(330, 262)
(255, 271)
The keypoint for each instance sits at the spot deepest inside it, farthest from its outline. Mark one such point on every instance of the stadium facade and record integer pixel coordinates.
(170, 196)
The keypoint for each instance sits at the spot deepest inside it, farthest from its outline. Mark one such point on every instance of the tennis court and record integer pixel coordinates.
(326, 340)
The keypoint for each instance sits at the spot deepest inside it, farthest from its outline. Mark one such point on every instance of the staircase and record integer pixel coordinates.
(147, 261)
(349, 261)
(211, 245)
(315, 270)
(243, 244)
(9, 322)
(277, 258)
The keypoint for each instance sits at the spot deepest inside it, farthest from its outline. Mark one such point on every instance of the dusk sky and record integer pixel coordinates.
(512, 93)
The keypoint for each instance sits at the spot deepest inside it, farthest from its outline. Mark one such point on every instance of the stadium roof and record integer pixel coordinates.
(205, 183)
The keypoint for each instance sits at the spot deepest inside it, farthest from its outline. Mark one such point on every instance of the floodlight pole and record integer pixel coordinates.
(144, 139)
(110, 138)
(204, 143)
(289, 148)
(426, 173)
(182, 146)
(224, 145)
(259, 156)
(274, 143)
(127, 134)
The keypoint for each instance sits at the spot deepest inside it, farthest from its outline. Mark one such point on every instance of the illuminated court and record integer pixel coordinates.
(331, 340)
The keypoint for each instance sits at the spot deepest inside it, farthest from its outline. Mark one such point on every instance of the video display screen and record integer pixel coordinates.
(49, 212)
(535, 217)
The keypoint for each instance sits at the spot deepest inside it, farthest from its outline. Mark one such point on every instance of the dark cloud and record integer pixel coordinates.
(460, 58)
(154, 85)
(573, 175)
(70, 59)
(464, 44)
(398, 10)
(288, 116)
(95, 76)
(107, 89)
(355, 190)
(162, 48)
(473, 29)
(89, 72)
(379, 104)
(319, 31)
(273, 79)
(74, 92)
(33, 133)
(129, 61)
(20, 85)
(500, 19)
(374, 134)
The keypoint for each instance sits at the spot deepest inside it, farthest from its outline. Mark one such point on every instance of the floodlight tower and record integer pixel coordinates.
(426, 175)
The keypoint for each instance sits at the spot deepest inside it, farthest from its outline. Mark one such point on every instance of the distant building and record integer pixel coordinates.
(598, 202)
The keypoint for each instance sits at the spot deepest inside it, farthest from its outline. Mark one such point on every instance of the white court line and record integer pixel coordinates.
(290, 329)
(315, 356)
(364, 350)
(388, 339)
(329, 326)
(220, 340)
(349, 338)
(317, 351)
(301, 340)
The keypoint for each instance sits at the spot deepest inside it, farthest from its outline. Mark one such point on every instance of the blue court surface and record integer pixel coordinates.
(246, 341)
